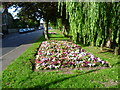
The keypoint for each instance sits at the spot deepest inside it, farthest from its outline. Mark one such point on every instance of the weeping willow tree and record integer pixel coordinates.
(93, 23)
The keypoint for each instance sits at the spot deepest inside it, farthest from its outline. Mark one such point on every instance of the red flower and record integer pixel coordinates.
(39, 53)
(36, 60)
(77, 46)
(54, 62)
(39, 62)
(66, 63)
(71, 62)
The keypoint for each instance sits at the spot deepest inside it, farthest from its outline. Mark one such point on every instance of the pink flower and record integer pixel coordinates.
(86, 62)
(77, 46)
(58, 62)
(39, 62)
(54, 62)
(94, 61)
(69, 53)
(75, 55)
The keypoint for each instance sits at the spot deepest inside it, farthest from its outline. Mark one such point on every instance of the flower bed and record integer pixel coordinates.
(51, 32)
(55, 54)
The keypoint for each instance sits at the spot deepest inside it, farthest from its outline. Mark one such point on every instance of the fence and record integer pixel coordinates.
(12, 30)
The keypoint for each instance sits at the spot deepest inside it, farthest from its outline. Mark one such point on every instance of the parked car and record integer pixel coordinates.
(26, 30)
(29, 29)
(21, 30)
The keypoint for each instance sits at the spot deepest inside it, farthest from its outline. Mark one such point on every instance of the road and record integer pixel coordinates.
(15, 44)
(14, 40)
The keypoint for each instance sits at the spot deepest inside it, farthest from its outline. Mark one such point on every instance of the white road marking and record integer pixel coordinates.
(9, 52)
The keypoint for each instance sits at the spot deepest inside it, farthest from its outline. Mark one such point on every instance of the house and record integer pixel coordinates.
(7, 20)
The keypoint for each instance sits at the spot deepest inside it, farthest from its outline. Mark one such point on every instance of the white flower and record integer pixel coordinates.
(45, 59)
(43, 64)
(57, 66)
(89, 64)
(71, 57)
(92, 56)
(88, 59)
(50, 66)
(53, 65)
(80, 55)
(77, 62)
(53, 59)
(48, 53)
(37, 56)
(103, 62)
(93, 64)
(37, 66)
(75, 58)
(99, 59)
(43, 51)
(72, 52)
(58, 54)
(80, 61)
(77, 51)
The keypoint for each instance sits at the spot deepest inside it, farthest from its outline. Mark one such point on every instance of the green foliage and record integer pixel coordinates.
(19, 73)
(93, 23)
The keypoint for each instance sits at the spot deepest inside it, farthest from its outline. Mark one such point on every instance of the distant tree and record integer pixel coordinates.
(37, 10)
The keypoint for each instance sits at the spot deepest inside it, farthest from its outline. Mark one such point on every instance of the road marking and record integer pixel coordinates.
(14, 49)
(9, 52)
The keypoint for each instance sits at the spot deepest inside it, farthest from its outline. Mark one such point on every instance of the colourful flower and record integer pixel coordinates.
(55, 54)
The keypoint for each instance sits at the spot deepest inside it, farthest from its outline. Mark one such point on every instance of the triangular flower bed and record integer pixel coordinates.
(55, 54)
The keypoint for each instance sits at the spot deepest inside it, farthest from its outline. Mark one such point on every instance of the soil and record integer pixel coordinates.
(69, 70)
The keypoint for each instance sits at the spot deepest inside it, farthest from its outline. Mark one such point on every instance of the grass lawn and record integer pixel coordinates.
(19, 73)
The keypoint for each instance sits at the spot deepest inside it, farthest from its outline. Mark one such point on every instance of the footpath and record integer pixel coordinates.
(7, 58)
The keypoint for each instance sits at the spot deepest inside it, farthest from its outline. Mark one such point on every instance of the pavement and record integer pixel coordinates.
(15, 44)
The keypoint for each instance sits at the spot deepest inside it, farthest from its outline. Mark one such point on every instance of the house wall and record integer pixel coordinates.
(7, 21)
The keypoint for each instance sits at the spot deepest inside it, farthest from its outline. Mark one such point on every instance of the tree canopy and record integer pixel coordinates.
(91, 23)
(37, 10)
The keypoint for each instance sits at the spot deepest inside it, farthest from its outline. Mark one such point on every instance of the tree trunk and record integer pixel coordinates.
(46, 30)
(64, 31)
(101, 47)
(116, 51)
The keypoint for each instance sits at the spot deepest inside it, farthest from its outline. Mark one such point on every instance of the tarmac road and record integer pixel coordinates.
(13, 45)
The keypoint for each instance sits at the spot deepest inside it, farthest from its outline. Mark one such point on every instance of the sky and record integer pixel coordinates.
(14, 13)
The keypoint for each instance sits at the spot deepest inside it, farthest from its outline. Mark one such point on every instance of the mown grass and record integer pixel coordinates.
(19, 73)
